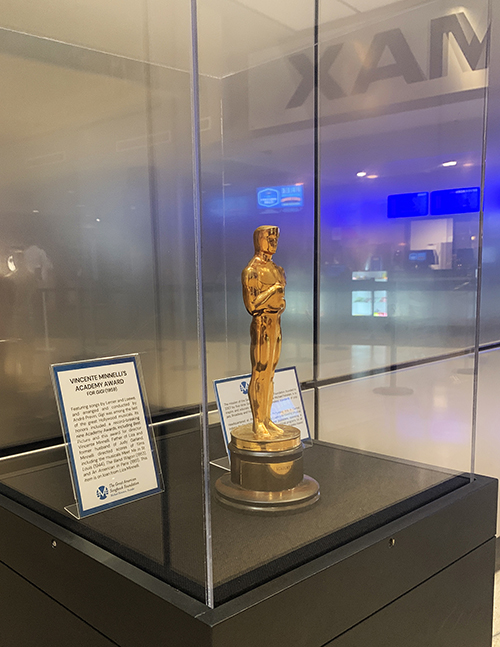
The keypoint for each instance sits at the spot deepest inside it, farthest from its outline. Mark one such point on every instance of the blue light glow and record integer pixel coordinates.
(408, 205)
(453, 201)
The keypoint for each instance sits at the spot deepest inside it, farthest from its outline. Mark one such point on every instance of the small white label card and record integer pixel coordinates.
(104, 415)
(287, 408)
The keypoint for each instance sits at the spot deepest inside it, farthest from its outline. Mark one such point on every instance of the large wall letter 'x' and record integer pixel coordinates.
(329, 87)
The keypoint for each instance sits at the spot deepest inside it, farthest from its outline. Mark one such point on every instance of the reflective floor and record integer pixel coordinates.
(488, 427)
(421, 414)
(496, 613)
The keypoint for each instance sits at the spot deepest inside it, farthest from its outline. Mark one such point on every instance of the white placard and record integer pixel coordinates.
(287, 408)
(104, 415)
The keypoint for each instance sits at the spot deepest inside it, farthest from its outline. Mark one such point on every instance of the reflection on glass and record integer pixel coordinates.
(252, 172)
(380, 303)
(96, 219)
(401, 155)
(97, 239)
(400, 188)
(362, 303)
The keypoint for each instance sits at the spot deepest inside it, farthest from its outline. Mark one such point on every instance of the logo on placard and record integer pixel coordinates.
(244, 388)
(102, 492)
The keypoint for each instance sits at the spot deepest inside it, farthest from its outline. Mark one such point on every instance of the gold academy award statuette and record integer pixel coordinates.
(266, 458)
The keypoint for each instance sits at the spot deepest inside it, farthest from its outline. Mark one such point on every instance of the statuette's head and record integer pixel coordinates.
(265, 239)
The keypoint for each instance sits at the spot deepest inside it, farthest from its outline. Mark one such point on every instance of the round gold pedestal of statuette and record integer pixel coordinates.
(266, 474)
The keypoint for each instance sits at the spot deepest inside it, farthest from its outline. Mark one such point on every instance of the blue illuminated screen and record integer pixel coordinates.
(281, 197)
(453, 201)
(417, 256)
(408, 205)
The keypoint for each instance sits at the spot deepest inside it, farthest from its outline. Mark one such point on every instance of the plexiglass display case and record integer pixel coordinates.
(143, 142)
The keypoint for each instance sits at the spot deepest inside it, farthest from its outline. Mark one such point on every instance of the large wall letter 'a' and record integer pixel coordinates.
(405, 64)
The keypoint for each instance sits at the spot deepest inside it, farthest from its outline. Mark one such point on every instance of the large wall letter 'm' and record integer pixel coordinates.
(452, 25)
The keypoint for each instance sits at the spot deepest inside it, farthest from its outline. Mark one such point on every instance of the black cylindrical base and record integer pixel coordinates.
(267, 475)
(266, 471)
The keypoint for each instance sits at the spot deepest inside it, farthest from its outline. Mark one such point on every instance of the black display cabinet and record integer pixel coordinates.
(416, 571)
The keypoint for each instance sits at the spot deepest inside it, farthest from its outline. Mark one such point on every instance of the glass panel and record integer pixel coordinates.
(490, 285)
(76, 263)
(97, 252)
(242, 115)
(398, 276)
(96, 159)
(487, 412)
(256, 170)
(401, 156)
